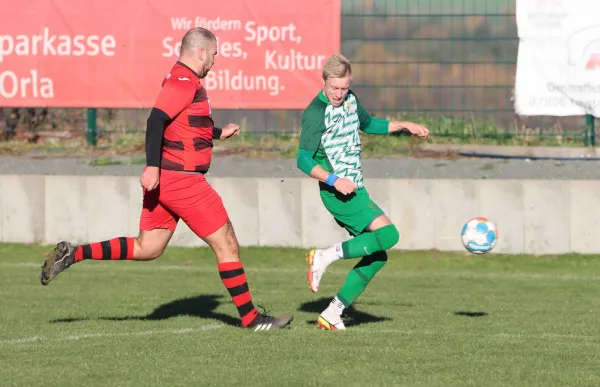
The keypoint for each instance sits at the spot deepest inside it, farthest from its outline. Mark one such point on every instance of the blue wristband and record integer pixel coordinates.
(331, 179)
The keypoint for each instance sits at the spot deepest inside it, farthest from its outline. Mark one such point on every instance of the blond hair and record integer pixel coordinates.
(336, 66)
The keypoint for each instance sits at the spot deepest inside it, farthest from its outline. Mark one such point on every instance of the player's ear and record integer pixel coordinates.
(201, 54)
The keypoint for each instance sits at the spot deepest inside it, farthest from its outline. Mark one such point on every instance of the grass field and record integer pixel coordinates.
(428, 319)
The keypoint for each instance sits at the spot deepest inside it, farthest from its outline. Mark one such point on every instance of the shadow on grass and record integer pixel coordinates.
(471, 314)
(351, 316)
(201, 306)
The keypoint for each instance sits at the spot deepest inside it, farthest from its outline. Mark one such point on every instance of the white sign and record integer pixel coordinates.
(558, 64)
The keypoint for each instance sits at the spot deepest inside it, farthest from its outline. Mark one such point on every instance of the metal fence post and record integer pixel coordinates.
(590, 133)
(92, 129)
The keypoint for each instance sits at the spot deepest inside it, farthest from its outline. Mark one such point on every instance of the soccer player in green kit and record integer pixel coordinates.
(330, 152)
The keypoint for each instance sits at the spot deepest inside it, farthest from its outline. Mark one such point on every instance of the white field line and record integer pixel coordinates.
(508, 336)
(84, 336)
(527, 336)
(449, 273)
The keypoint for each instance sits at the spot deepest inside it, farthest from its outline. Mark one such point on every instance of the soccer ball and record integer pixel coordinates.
(479, 235)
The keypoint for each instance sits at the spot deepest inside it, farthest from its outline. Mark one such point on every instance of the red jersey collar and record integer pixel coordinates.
(184, 65)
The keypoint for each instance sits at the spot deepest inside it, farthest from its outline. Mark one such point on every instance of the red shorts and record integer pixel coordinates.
(186, 196)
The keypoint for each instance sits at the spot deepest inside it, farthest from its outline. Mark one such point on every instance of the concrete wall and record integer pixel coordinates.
(534, 217)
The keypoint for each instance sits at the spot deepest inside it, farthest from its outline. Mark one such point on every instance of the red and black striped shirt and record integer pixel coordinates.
(187, 142)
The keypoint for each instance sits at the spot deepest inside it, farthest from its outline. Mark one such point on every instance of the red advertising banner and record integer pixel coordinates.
(115, 53)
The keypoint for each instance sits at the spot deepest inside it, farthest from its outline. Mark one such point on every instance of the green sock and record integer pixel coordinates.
(360, 276)
(367, 243)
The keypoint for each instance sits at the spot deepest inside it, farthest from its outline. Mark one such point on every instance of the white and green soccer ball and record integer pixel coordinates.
(479, 235)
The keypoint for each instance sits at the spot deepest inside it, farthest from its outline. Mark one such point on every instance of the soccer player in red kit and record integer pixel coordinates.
(179, 139)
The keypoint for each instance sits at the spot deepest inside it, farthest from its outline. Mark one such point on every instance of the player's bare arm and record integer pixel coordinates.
(373, 125)
(413, 128)
(229, 131)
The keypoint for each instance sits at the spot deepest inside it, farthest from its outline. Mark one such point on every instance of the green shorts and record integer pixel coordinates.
(353, 212)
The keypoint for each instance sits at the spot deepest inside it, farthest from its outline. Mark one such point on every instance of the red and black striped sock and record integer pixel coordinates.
(114, 249)
(233, 277)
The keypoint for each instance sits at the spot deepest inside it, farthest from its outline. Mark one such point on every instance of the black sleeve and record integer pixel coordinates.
(155, 127)
(217, 133)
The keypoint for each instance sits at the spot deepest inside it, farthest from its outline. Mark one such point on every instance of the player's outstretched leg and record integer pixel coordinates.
(372, 244)
(147, 246)
(231, 270)
(356, 282)
(367, 243)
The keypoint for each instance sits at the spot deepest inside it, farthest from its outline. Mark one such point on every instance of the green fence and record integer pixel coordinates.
(448, 63)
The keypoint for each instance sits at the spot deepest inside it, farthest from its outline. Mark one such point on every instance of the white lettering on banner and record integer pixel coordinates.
(293, 60)
(218, 24)
(261, 33)
(266, 58)
(180, 23)
(558, 63)
(48, 44)
(238, 81)
(172, 47)
(33, 85)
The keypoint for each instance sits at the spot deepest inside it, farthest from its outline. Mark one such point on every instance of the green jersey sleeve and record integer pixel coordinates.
(368, 123)
(313, 127)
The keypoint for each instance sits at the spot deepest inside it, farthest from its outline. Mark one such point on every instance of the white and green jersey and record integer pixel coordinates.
(331, 135)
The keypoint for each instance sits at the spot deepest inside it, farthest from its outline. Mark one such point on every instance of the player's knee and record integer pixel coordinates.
(153, 254)
(149, 252)
(389, 236)
(224, 243)
(381, 256)
(150, 244)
